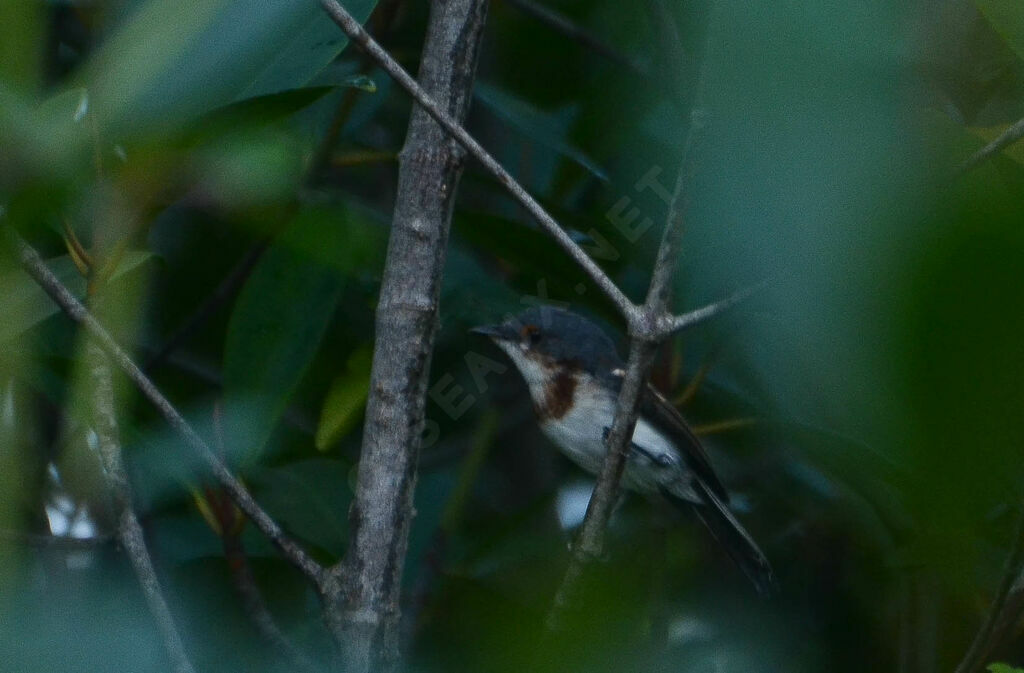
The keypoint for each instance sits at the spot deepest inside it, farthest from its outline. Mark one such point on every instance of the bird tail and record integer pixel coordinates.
(731, 534)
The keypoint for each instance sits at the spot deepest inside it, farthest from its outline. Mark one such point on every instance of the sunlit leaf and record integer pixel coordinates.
(1007, 18)
(345, 400)
(1003, 668)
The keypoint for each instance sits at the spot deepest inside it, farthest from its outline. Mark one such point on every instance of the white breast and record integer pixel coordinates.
(580, 436)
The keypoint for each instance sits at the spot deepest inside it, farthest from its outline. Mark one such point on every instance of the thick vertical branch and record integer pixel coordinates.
(430, 165)
(129, 530)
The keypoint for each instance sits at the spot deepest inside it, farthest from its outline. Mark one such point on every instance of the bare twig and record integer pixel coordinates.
(648, 324)
(631, 312)
(646, 335)
(577, 33)
(1005, 139)
(643, 346)
(129, 530)
(430, 165)
(427, 103)
(670, 53)
(38, 270)
(676, 323)
(228, 522)
(1005, 611)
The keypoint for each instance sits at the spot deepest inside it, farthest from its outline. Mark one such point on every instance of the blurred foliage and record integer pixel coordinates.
(231, 168)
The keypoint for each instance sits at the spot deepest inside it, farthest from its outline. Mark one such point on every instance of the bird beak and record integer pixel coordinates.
(496, 332)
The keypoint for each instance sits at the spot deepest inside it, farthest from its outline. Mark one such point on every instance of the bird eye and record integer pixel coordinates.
(531, 335)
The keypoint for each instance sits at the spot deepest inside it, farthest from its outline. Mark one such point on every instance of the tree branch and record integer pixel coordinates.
(360, 37)
(1005, 611)
(646, 335)
(649, 323)
(38, 270)
(630, 311)
(589, 542)
(129, 530)
(1005, 139)
(430, 166)
(676, 323)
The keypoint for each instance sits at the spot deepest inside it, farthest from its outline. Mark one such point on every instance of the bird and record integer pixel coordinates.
(574, 373)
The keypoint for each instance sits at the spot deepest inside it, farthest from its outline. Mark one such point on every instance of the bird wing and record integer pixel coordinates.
(664, 417)
(660, 413)
(733, 537)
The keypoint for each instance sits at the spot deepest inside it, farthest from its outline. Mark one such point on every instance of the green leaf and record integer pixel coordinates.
(345, 400)
(278, 322)
(266, 108)
(169, 61)
(249, 168)
(1003, 668)
(857, 468)
(309, 497)
(22, 36)
(545, 129)
(1007, 18)
(25, 304)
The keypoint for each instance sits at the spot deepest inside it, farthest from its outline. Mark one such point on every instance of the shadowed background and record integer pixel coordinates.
(865, 407)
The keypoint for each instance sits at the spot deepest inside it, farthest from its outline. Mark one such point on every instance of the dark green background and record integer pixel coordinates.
(877, 380)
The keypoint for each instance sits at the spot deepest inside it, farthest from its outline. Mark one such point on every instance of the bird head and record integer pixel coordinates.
(546, 342)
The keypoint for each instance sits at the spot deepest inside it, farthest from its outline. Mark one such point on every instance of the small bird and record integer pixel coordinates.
(574, 374)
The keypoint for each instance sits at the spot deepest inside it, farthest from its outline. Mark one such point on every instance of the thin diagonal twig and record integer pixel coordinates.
(33, 264)
(1004, 140)
(630, 312)
(360, 37)
(255, 606)
(677, 323)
